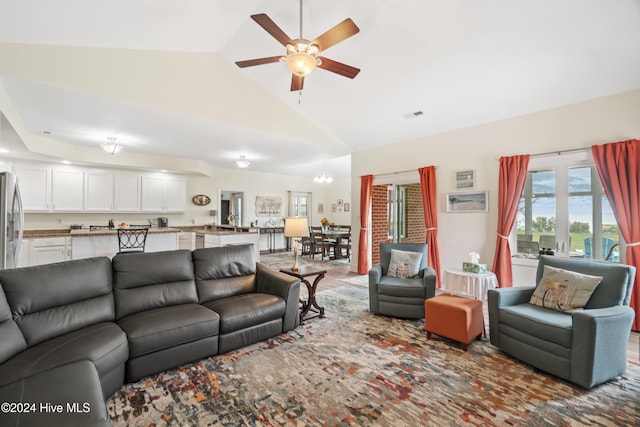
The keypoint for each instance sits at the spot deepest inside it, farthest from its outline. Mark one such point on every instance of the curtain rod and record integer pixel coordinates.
(398, 172)
(560, 152)
(557, 152)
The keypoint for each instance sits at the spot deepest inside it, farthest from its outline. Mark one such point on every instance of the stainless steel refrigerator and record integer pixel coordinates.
(11, 221)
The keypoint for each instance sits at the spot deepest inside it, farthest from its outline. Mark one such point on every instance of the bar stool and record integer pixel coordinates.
(132, 239)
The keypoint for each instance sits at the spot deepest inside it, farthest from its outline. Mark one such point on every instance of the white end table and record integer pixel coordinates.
(473, 285)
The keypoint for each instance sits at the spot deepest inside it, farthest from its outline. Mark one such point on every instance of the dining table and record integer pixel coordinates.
(336, 235)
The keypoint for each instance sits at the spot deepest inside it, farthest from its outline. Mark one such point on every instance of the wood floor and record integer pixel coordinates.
(334, 276)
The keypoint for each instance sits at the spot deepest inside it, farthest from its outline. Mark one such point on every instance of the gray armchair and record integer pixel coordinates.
(586, 347)
(400, 297)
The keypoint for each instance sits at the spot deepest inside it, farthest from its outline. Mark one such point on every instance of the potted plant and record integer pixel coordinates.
(324, 222)
(232, 219)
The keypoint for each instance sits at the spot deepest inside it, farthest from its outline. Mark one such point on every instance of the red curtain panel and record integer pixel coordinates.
(617, 165)
(513, 174)
(428, 187)
(366, 188)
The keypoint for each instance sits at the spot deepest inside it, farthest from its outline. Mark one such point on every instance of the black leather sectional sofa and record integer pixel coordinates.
(72, 333)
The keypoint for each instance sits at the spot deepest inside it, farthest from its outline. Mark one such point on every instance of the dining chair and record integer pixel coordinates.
(345, 243)
(132, 239)
(319, 244)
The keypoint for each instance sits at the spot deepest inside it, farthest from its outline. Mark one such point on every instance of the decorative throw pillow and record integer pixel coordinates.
(564, 290)
(404, 263)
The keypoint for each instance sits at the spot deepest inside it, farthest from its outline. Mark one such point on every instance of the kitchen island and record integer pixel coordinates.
(104, 242)
(206, 238)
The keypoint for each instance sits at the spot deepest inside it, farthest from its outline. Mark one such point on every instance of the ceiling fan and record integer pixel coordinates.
(301, 57)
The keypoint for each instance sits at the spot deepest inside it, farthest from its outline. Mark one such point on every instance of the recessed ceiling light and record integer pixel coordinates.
(65, 162)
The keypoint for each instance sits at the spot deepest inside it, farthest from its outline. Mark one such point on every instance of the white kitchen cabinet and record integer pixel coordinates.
(127, 192)
(164, 193)
(187, 240)
(46, 189)
(46, 250)
(67, 190)
(98, 191)
(35, 184)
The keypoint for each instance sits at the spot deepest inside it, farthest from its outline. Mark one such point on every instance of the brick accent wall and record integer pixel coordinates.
(379, 220)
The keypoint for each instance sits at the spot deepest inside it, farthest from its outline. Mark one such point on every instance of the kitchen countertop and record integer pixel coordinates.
(152, 230)
(86, 232)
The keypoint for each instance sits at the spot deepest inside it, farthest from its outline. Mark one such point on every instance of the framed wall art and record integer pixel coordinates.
(476, 201)
(347, 207)
(268, 206)
(465, 180)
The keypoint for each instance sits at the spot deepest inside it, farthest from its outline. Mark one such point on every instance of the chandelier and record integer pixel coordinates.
(242, 162)
(323, 178)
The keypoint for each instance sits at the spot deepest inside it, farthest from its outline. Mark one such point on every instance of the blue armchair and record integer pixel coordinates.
(400, 297)
(586, 347)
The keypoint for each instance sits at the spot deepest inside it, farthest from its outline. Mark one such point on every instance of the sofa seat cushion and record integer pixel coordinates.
(76, 383)
(400, 287)
(244, 311)
(161, 328)
(548, 325)
(105, 344)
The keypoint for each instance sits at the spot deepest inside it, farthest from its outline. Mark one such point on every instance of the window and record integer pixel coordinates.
(300, 204)
(564, 210)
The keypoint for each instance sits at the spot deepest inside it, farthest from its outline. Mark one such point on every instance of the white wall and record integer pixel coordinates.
(609, 119)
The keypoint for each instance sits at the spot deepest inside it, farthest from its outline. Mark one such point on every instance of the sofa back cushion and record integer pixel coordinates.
(10, 336)
(615, 287)
(54, 299)
(144, 281)
(224, 271)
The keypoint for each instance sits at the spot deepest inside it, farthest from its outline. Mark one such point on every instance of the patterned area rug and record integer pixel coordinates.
(353, 368)
(360, 280)
(278, 260)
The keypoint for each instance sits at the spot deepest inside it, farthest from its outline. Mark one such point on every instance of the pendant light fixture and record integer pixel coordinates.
(323, 177)
(110, 146)
(242, 162)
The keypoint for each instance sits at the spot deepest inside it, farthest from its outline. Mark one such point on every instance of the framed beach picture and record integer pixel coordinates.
(476, 201)
(465, 180)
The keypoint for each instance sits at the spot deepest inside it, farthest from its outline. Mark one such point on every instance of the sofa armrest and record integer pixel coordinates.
(504, 297)
(429, 280)
(375, 274)
(599, 344)
(272, 282)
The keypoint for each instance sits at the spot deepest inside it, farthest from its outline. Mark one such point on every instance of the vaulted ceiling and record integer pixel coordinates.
(160, 75)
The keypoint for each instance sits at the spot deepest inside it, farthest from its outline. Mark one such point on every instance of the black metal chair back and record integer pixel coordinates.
(132, 239)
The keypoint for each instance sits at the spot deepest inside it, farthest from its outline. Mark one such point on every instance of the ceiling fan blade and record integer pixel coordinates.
(259, 61)
(335, 35)
(338, 67)
(297, 82)
(272, 28)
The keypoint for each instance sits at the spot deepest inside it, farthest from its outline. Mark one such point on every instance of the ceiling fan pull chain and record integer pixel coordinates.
(299, 97)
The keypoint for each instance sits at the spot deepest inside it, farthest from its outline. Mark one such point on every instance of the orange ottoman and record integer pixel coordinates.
(457, 318)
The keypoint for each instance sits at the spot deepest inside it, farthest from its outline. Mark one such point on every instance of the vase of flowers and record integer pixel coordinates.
(232, 219)
(324, 222)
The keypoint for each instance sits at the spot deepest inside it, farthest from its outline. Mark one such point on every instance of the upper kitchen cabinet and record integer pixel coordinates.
(67, 190)
(164, 194)
(98, 191)
(35, 189)
(45, 190)
(128, 192)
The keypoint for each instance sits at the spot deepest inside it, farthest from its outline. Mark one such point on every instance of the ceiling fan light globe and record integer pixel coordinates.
(301, 64)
